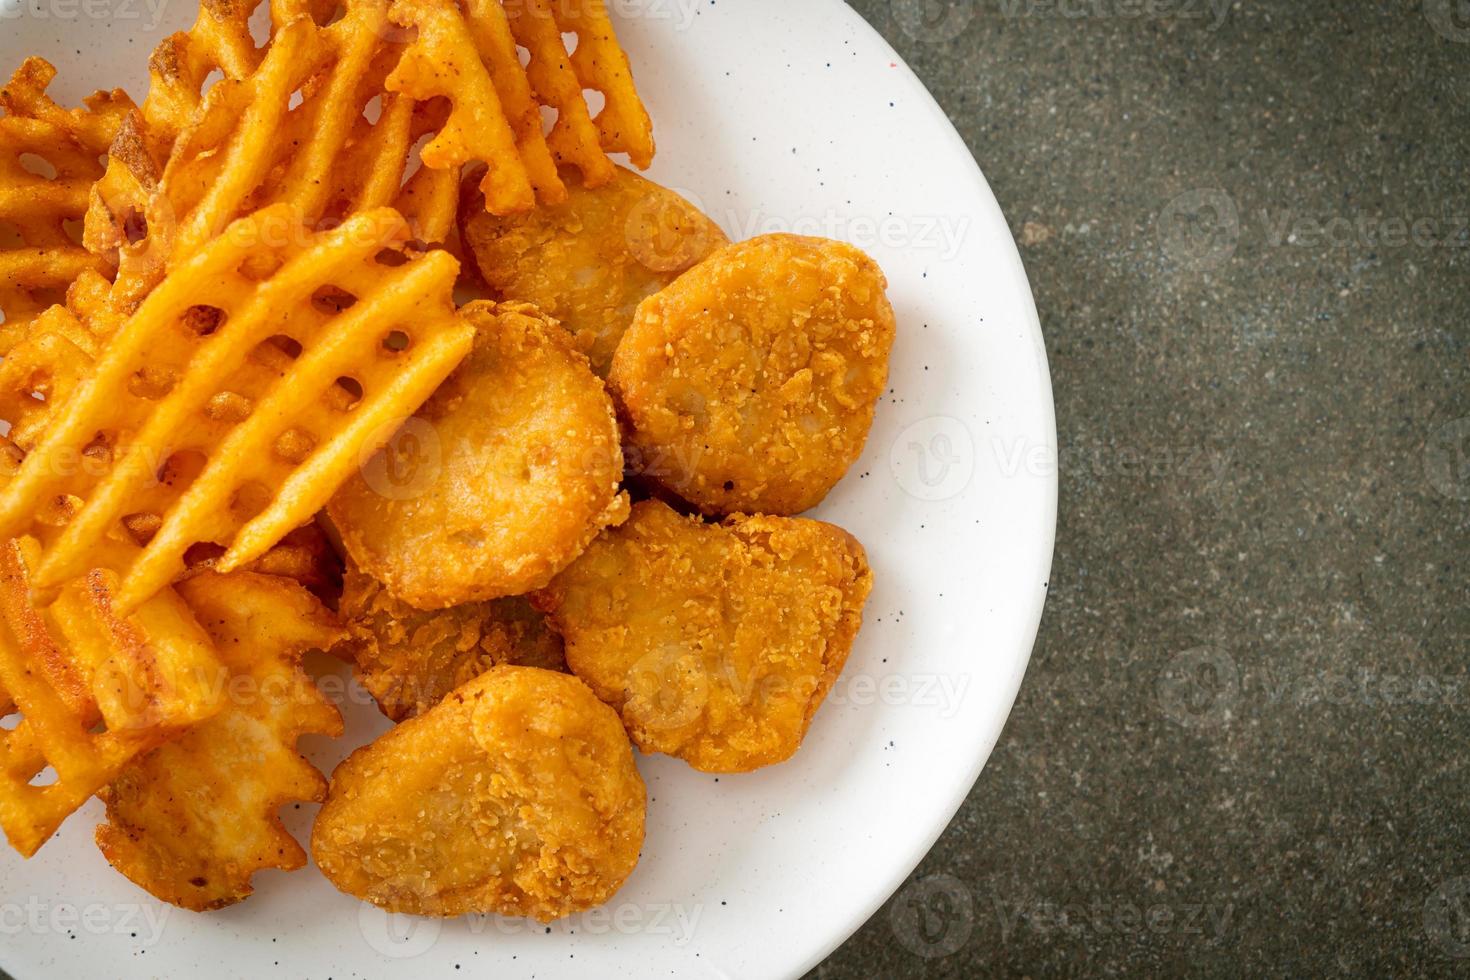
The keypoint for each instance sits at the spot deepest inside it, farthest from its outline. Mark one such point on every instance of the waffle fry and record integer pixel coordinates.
(116, 224)
(247, 387)
(39, 372)
(559, 78)
(443, 62)
(48, 160)
(468, 55)
(167, 829)
(219, 41)
(75, 665)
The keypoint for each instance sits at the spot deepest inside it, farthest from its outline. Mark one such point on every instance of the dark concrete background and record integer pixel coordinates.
(1242, 743)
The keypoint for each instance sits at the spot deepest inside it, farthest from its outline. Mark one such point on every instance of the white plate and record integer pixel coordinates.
(775, 116)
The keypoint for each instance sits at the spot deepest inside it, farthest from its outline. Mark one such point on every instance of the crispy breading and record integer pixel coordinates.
(591, 260)
(516, 795)
(749, 384)
(192, 821)
(499, 481)
(409, 659)
(716, 643)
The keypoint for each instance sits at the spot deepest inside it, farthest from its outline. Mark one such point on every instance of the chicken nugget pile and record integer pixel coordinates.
(349, 335)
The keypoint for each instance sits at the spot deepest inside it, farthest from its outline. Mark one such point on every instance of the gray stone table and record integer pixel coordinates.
(1242, 744)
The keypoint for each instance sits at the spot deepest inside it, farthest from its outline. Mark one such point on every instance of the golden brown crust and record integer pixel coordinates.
(516, 795)
(499, 481)
(749, 384)
(409, 659)
(715, 643)
(591, 260)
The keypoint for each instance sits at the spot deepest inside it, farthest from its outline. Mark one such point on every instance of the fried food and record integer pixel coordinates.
(193, 820)
(305, 556)
(443, 62)
(716, 643)
(309, 124)
(244, 391)
(48, 160)
(749, 384)
(326, 118)
(499, 481)
(55, 353)
(409, 659)
(597, 63)
(468, 55)
(517, 795)
(94, 691)
(590, 261)
(219, 41)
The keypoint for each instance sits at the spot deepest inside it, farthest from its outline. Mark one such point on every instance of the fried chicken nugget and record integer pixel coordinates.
(749, 384)
(409, 659)
(516, 795)
(591, 260)
(499, 481)
(716, 643)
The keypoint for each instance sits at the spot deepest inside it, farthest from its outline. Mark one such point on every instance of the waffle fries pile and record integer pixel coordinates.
(217, 305)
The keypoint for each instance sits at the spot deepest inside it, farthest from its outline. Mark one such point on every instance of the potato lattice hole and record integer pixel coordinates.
(294, 445)
(332, 300)
(346, 394)
(39, 166)
(59, 510)
(182, 468)
(229, 407)
(152, 382)
(260, 266)
(97, 454)
(203, 320)
(203, 553)
(250, 499)
(141, 527)
(134, 225)
(289, 346)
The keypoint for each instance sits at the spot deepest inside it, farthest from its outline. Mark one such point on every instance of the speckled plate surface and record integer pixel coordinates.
(774, 116)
